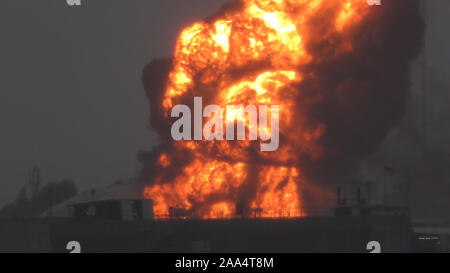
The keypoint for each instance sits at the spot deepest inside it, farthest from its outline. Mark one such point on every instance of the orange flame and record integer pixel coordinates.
(210, 58)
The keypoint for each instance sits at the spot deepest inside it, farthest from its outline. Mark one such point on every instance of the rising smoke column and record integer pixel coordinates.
(339, 71)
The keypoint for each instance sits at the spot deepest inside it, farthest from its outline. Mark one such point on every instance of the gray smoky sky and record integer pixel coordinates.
(72, 101)
(71, 97)
(418, 149)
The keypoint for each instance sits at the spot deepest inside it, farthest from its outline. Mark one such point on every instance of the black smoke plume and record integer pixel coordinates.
(359, 96)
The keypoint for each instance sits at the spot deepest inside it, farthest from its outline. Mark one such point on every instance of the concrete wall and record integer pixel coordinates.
(321, 234)
(316, 234)
(24, 236)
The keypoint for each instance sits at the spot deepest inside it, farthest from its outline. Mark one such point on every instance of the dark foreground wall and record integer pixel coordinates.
(23, 236)
(321, 234)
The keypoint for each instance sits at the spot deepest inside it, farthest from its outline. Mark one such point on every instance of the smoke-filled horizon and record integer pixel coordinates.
(72, 100)
(349, 87)
(73, 104)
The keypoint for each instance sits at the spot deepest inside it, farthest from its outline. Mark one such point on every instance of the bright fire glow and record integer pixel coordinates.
(211, 58)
